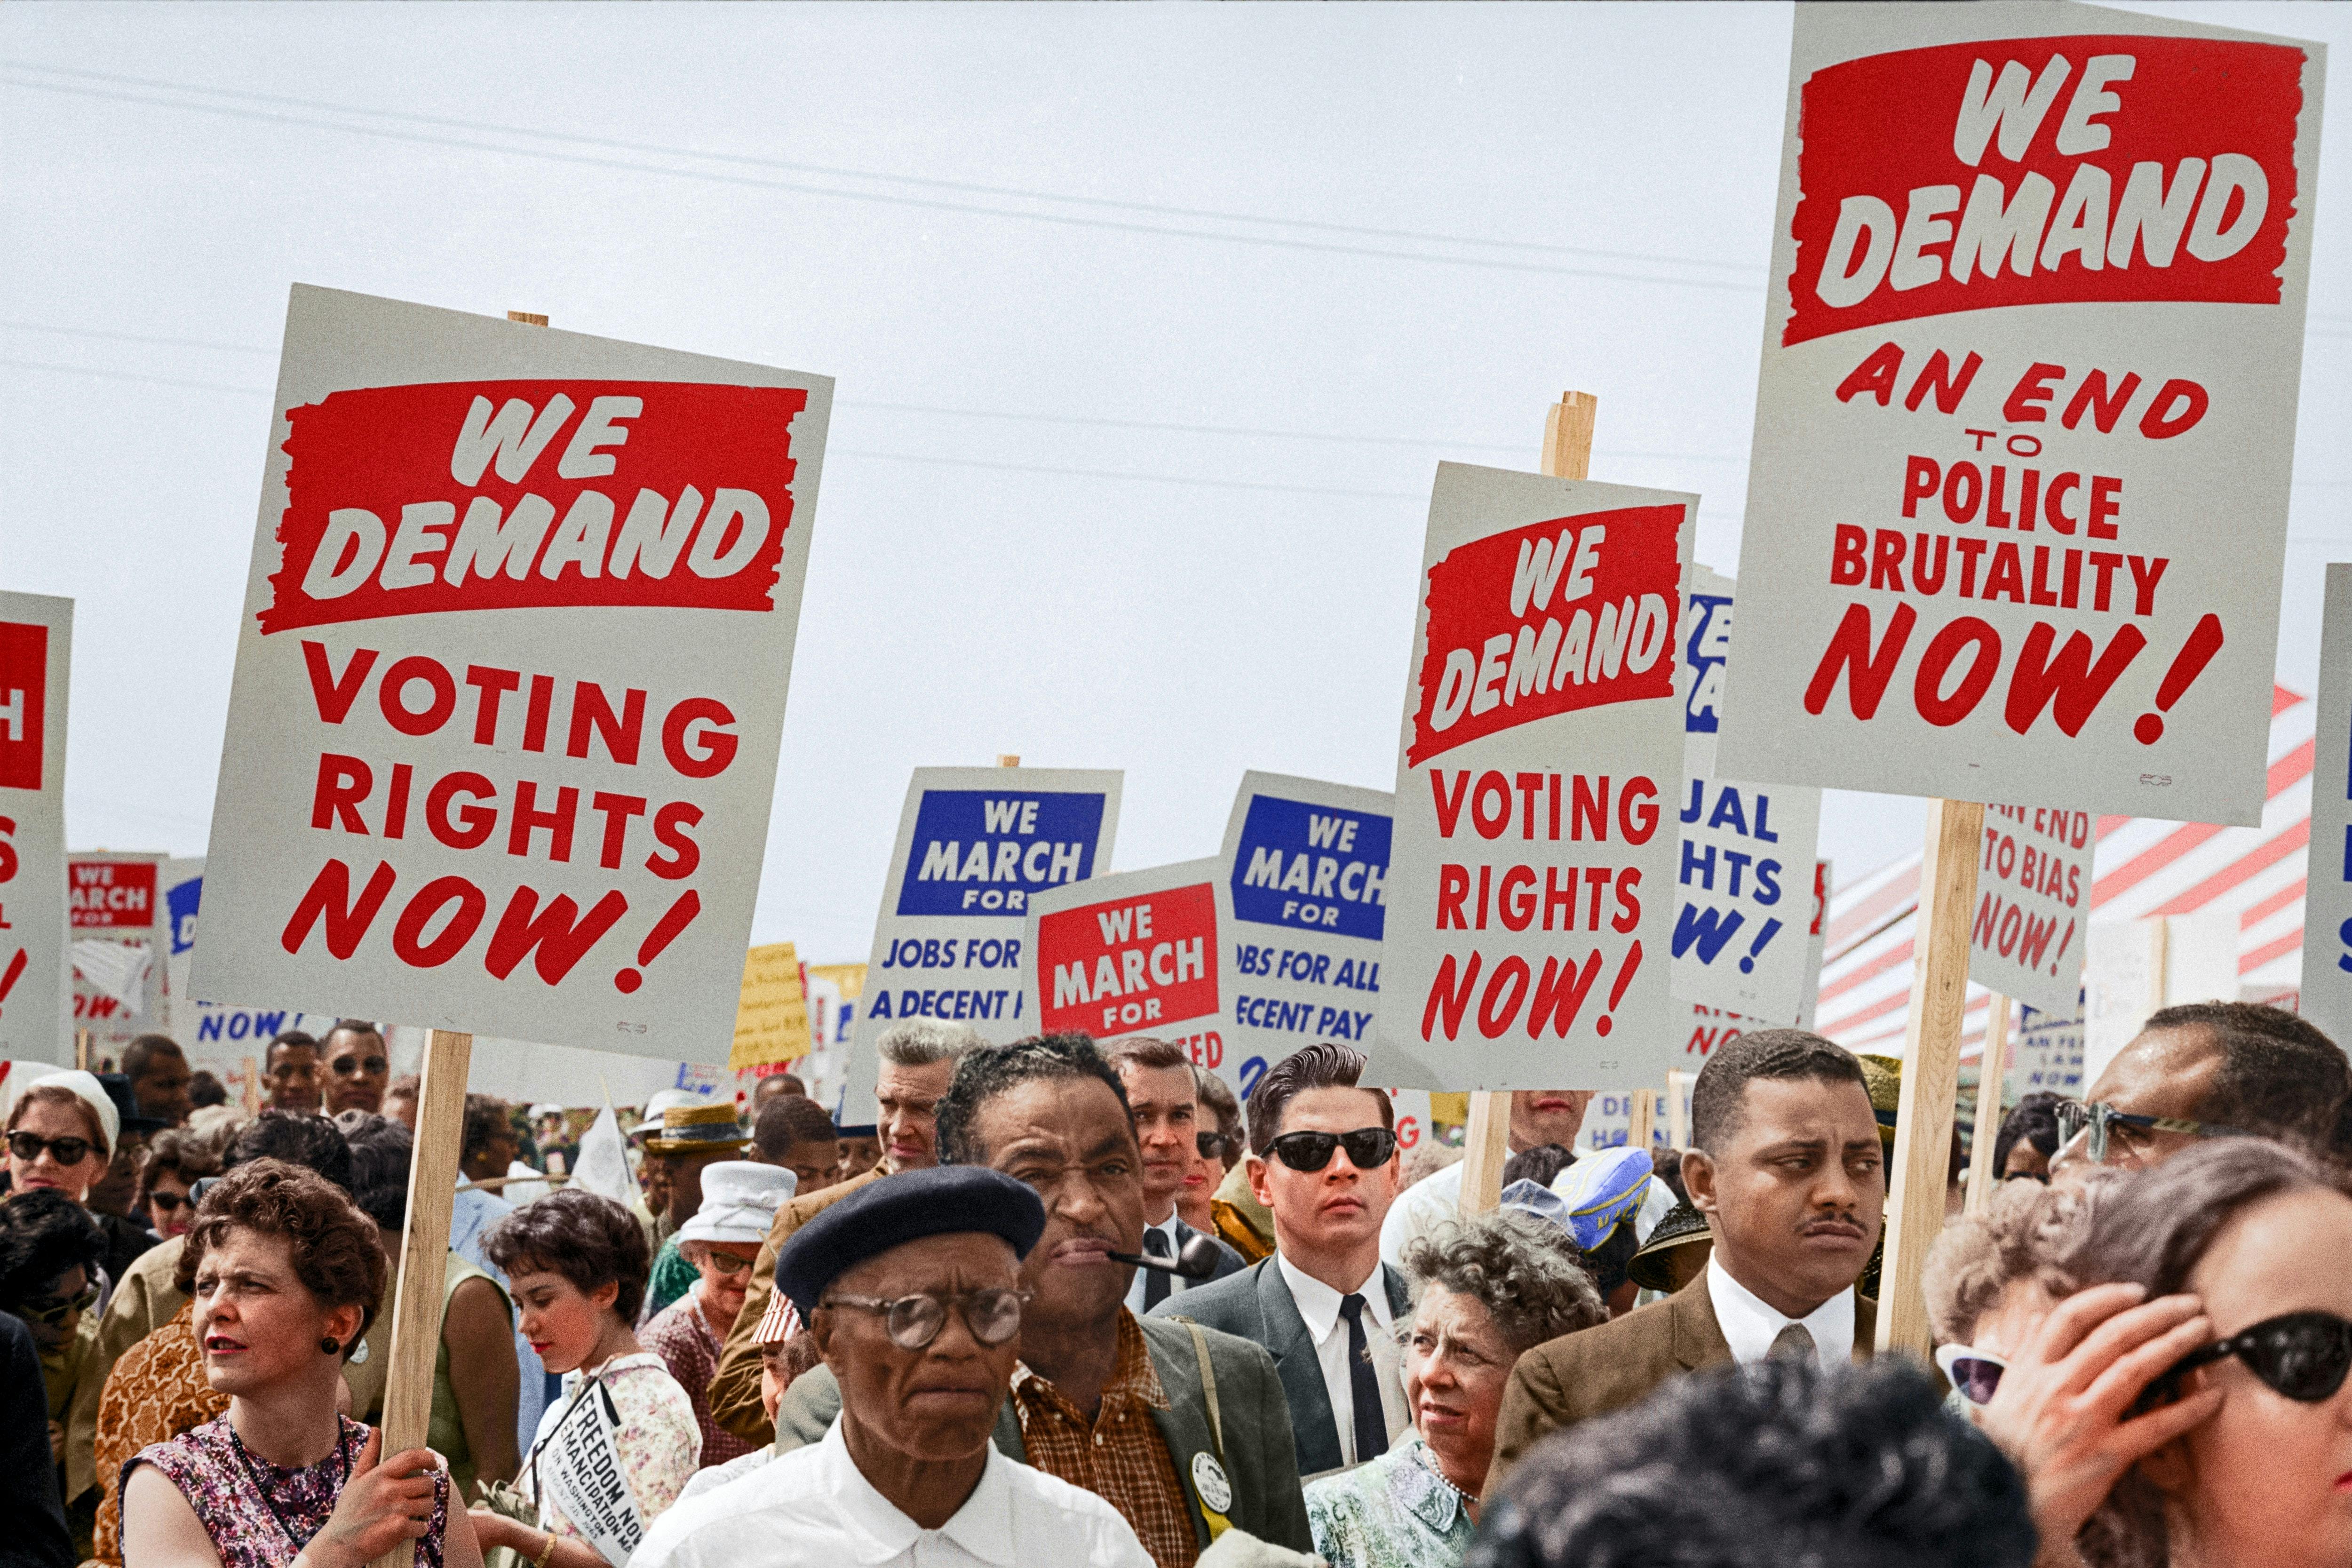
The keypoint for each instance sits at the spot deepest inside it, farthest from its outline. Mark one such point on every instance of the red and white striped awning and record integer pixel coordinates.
(2143, 866)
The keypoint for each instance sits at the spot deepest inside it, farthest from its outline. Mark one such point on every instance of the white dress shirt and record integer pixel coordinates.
(1318, 1304)
(1142, 1280)
(812, 1508)
(1749, 1326)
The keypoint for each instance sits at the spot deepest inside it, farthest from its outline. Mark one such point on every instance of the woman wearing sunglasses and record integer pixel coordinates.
(2186, 1403)
(576, 1265)
(176, 1161)
(739, 1199)
(49, 1253)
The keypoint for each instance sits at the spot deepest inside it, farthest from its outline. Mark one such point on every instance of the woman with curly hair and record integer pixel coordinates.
(1489, 1288)
(577, 1265)
(285, 1276)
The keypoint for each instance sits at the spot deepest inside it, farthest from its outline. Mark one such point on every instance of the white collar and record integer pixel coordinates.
(982, 1526)
(1749, 1324)
(1318, 1304)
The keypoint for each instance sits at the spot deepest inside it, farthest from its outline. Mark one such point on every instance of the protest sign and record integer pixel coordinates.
(1706, 631)
(975, 847)
(1305, 876)
(580, 1467)
(533, 752)
(771, 1018)
(115, 901)
(527, 1073)
(35, 652)
(2026, 416)
(2326, 998)
(1131, 953)
(2046, 1054)
(1531, 901)
(2033, 885)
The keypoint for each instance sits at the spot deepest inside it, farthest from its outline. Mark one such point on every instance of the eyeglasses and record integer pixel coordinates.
(1211, 1145)
(2075, 1115)
(351, 1067)
(1974, 1372)
(28, 1147)
(993, 1315)
(2303, 1355)
(726, 1263)
(57, 1313)
(1368, 1148)
(169, 1203)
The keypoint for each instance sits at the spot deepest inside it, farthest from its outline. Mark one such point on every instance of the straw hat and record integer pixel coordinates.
(740, 1200)
(1885, 1077)
(699, 1129)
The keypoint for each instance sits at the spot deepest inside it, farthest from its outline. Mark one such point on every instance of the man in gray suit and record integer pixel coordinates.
(1166, 1106)
(1323, 1158)
(1216, 1450)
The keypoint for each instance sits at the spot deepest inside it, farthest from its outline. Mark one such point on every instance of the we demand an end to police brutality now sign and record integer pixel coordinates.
(975, 847)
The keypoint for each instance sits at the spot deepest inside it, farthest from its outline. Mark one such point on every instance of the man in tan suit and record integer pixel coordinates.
(1787, 1166)
(918, 1059)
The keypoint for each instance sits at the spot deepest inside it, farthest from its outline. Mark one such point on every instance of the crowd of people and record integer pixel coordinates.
(1070, 1302)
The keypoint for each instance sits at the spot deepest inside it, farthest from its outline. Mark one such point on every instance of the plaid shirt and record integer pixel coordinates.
(1118, 1456)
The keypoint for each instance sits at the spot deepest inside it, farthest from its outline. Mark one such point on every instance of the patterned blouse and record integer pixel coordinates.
(659, 1443)
(155, 1392)
(681, 1336)
(1395, 1512)
(261, 1515)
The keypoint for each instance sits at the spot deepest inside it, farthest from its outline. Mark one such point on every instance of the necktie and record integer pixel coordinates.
(1796, 1340)
(1155, 1283)
(1364, 1386)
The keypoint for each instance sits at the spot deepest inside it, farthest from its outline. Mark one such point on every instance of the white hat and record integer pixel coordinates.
(83, 1086)
(740, 1200)
(548, 1109)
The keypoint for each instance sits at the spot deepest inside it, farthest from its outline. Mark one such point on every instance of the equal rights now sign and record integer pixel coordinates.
(516, 637)
(2026, 419)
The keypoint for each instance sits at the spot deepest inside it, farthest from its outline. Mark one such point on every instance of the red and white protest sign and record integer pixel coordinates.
(2033, 905)
(1531, 881)
(1131, 953)
(510, 680)
(121, 937)
(2026, 417)
(35, 652)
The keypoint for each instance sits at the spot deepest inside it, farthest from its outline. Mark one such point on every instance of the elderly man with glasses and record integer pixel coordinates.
(2204, 1070)
(912, 1288)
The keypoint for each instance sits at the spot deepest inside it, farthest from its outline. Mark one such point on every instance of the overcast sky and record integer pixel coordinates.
(1150, 322)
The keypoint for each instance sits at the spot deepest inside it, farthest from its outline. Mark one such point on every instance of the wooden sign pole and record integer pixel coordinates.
(252, 1095)
(1567, 454)
(424, 1244)
(1931, 1069)
(1644, 1129)
(1677, 1109)
(1986, 1131)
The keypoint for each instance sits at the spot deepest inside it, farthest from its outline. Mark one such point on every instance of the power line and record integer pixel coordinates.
(840, 172)
(933, 204)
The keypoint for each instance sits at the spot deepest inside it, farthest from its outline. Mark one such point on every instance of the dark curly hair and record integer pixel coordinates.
(42, 1234)
(486, 1118)
(1322, 1066)
(983, 1074)
(1762, 1053)
(589, 1240)
(381, 1149)
(175, 1151)
(2033, 1121)
(333, 1245)
(312, 1142)
(1757, 1467)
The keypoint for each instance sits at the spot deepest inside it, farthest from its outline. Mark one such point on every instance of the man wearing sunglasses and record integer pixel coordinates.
(1323, 1159)
(2203, 1070)
(912, 1288)
(358, 1067)
(1165, 1106)
(1786, 1164)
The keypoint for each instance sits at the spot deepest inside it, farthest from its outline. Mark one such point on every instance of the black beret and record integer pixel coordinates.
(945, 1200)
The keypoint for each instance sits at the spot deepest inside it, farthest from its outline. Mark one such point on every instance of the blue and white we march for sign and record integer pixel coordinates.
(1304, 880)
(1744, 914)
(975, 845)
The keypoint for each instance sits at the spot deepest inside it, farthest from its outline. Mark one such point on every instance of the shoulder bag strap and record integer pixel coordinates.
(1209, 1389)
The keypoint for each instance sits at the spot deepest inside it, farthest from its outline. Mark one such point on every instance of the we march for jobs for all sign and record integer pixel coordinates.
(975, 845)
(1131, 953)
(1532, 902)
(1304, 873)
(1743, 913)
(2025, 422)
(36, 654)
(519, 618)
(2327, 994)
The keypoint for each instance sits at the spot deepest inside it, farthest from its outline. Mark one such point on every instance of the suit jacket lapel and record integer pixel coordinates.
(1865, 1327)
(1301, 1370)
(1697, 1337)
(1400, 1294)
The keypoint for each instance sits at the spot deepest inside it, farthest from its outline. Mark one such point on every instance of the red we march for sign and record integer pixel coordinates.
(1531, 881)
(1134, 953)
(516, 637)
(2025, 423)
